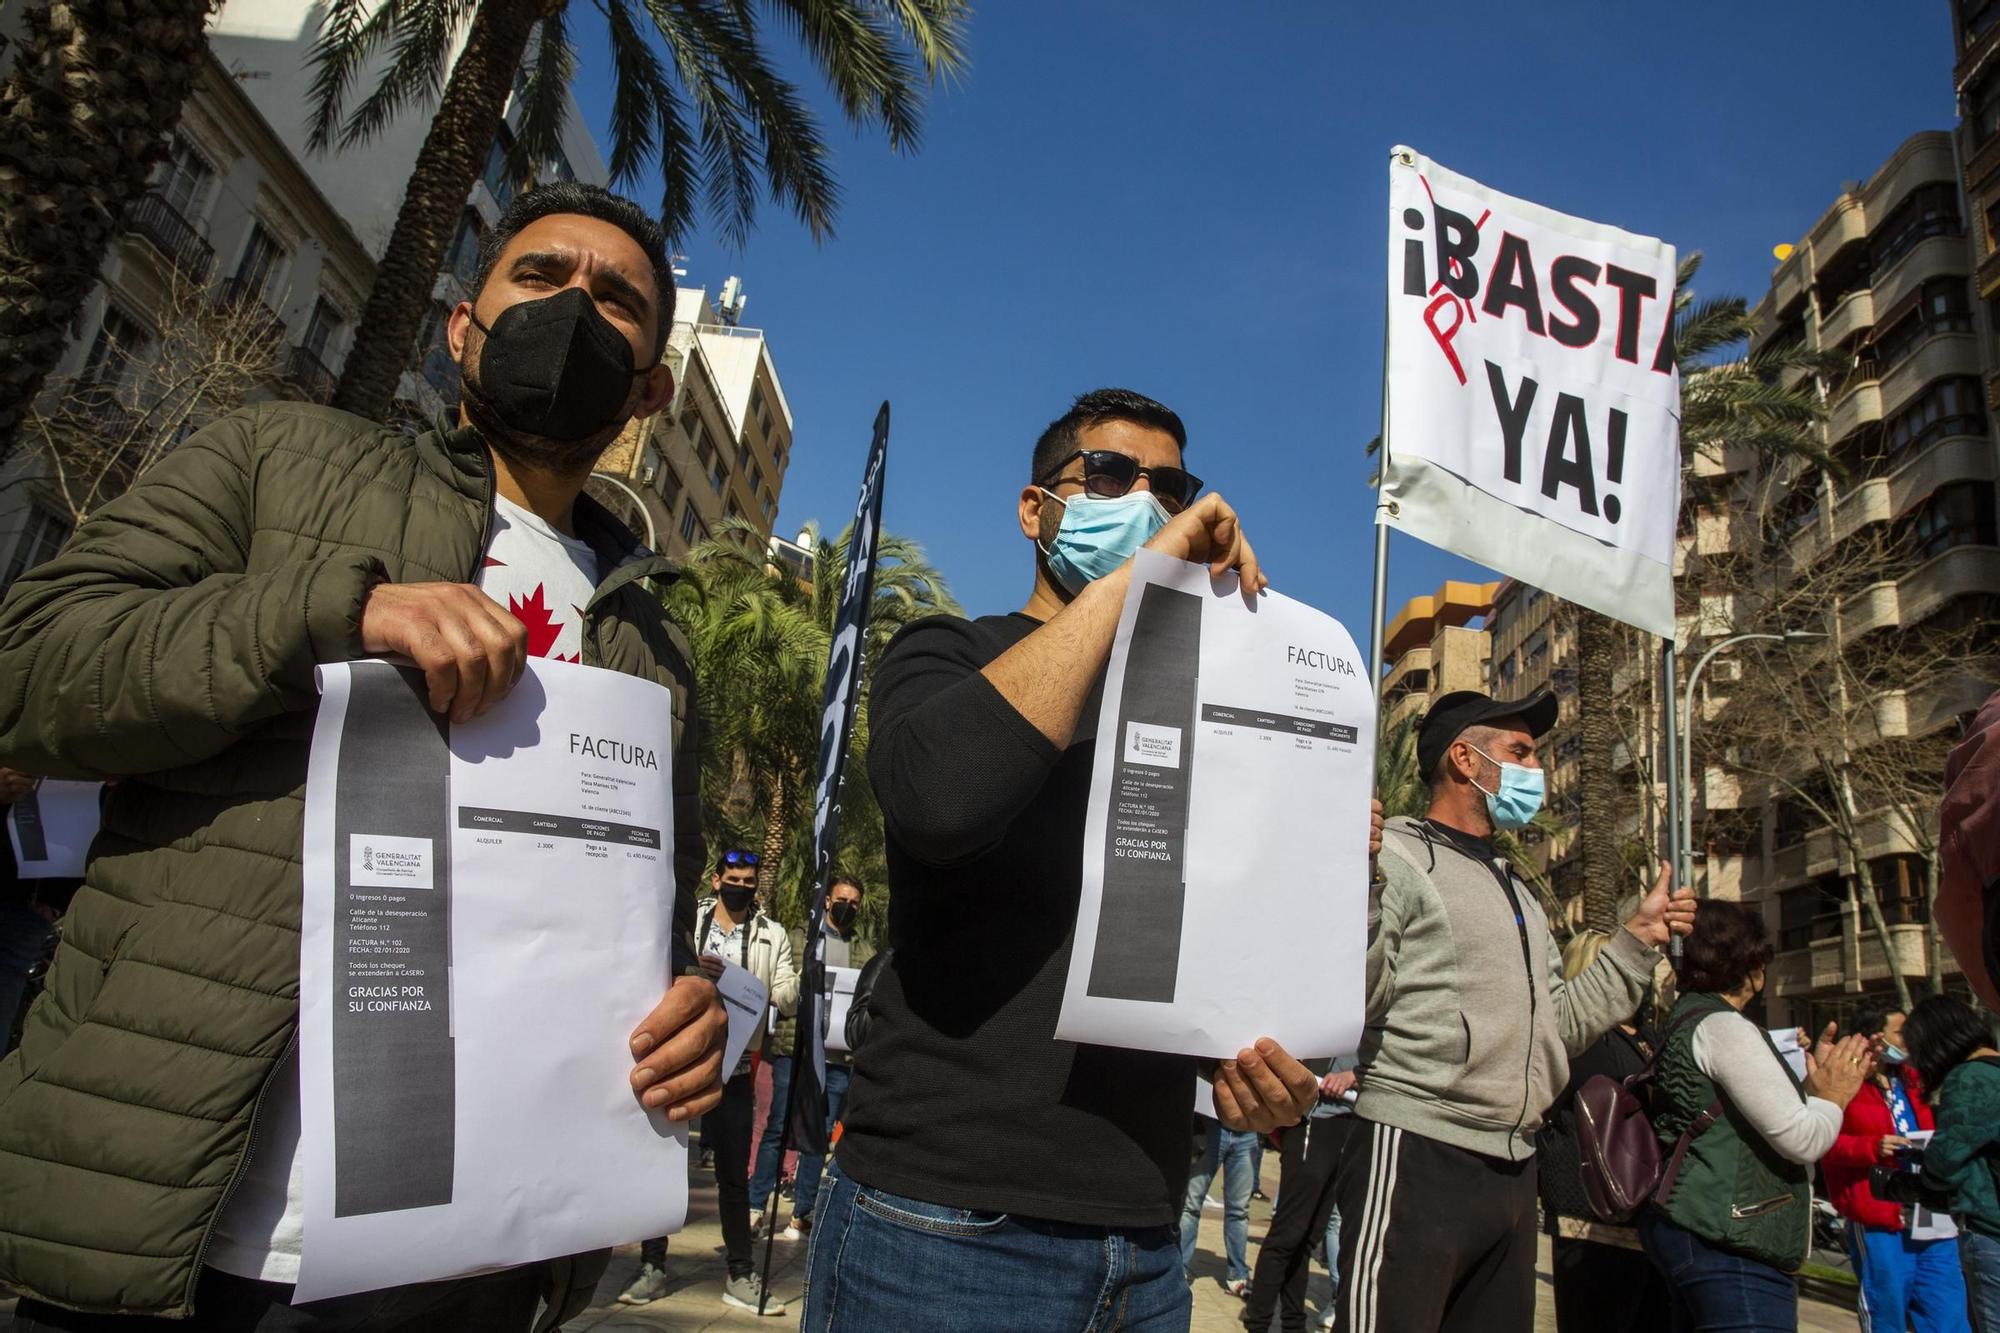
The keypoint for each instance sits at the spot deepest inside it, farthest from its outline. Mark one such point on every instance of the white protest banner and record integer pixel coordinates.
(1533, 416)
(51, 828)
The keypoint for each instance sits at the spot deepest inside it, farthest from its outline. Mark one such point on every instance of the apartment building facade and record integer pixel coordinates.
(1886, 278)
(1436, 644)
(231, 220)
(266, 45)
(721, 449)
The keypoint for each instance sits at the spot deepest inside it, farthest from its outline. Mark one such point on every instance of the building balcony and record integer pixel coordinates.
(1935, 357)
(248, 303)
(1958, 572)
(1790, 281)
(305, 372)
(1856, 404)
(1922, 159)
(1844, 224)
(1897, 487)
(1975, 55)
(1932, 257)
(1416, 659)
(161, 226)
(1854, 315)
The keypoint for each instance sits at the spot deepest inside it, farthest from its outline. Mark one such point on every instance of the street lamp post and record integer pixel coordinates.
(1686, 867)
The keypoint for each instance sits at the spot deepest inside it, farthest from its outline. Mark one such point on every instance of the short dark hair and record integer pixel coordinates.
(844, 878)
(591, 201)
(1871, 1017)
(1728, 944)
(1940, 1032)
(1100, 405)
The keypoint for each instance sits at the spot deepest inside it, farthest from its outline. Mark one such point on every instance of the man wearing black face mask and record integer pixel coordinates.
(173, 646)
(844, 948)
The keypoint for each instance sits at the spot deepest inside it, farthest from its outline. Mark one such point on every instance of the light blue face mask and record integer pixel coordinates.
(1520, 794)
(1098, 534)
(1893, 1054)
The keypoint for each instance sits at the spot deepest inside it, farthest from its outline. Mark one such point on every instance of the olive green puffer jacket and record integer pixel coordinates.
(172, 646)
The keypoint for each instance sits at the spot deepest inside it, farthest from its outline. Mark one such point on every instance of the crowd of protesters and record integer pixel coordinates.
(986, 1176)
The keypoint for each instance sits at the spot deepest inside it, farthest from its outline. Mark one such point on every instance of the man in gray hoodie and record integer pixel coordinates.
(1470, 1026)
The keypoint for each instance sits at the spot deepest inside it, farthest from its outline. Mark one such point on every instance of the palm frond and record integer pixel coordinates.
(425, 33)
(538, 135)
(874, 81)
(347, 37)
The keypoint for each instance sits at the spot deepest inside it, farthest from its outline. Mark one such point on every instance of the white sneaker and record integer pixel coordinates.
(649, 1286)
(744, 1292)
(756, 1220)
(1326, 1317)
(795, 1231)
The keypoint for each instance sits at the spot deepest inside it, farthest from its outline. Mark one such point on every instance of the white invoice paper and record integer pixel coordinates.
(488, 915)
(51, 828)
(840, 983)
(1225, 861)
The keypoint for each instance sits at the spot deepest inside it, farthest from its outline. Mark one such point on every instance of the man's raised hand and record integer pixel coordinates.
(1663, 913)
(1207, 532)
(470, 650)
(1263, 1088)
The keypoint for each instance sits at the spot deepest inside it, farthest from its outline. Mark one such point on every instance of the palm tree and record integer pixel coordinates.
(693, 89)
(1398, 785)
(84, 115)
(1766, 402)
(760, 637)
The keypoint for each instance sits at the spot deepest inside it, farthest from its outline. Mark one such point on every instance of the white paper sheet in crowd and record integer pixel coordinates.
(1225, 871)
(1925, 1223)
(51, 828)
(488, 913)
(744, 999)
(1787, 1042)
(841, 984)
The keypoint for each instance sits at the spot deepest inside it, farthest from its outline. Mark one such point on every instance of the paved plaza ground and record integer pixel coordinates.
(695, 1268)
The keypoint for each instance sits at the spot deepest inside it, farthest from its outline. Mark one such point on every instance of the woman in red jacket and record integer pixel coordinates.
(1907, 1263)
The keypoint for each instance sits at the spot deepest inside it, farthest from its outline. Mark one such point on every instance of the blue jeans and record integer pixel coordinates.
(1979, 1255)
(806, 1188)
(882, 1263)
(1907, 1283)
(1715, 1290)
(1232, 1150)
(764, 1175)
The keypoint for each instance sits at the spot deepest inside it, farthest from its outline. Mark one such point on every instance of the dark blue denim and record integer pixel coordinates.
(1715, 1290)
(882, 1263)
(1979, 1253)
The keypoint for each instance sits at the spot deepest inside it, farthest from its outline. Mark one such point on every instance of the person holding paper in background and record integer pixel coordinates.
(1470, 1026)
(1908, 1279)
(173, 643)
(1044, 1177)
(731, 929)
(844, 948)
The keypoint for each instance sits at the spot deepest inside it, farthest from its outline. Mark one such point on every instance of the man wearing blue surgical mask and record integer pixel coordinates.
(1470, 1028)
(989, 1176)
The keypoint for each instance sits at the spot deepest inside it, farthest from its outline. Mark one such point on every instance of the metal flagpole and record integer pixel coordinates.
(1676, 789)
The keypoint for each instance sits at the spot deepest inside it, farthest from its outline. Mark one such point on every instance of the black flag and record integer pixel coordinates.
(808, 1131)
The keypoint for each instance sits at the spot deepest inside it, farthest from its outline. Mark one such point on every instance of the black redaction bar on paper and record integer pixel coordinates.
(557, 826)
(1291, 726)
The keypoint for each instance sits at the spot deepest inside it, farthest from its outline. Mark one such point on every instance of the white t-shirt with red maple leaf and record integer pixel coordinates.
(542, 577)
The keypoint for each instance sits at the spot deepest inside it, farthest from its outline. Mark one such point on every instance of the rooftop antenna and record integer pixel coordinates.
(730, 306)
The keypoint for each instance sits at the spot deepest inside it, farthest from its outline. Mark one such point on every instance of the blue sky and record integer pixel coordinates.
(1190, 200)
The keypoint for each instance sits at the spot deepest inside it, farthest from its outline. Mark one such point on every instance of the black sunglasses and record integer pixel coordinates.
(1111, 474)
(733, 858)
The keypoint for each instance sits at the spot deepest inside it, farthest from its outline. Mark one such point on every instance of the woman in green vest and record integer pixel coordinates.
(1952, 1047)
(1737, 1220)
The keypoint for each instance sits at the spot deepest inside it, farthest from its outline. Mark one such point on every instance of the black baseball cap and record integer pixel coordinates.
(1450, 716)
